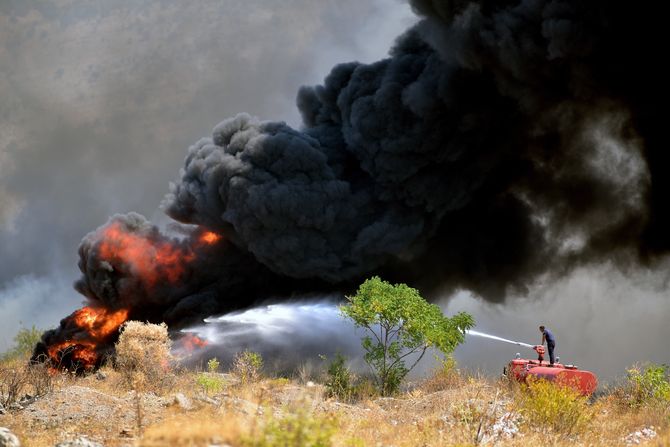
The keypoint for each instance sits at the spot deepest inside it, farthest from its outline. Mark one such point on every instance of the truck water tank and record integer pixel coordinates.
(583, 381)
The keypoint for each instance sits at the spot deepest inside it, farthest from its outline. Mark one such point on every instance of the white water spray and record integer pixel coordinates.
(494, 337)
(286, 334)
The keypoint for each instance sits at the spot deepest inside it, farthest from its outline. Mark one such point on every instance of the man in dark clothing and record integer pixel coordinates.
(551, 343)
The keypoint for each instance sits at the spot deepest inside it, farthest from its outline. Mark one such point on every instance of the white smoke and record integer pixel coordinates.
(28, 300)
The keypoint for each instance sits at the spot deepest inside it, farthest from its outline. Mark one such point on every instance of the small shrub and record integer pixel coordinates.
(213, 365)
(18, 378)
(39, 379)
(12, 384)
(305, 372)
(24, 343)
(445, 376)
(247, 366)
(468, 412)
(545, 405)
(473, 416)
(342, 384)
(143, 356)
(365, 388)
(298, 428)
(339, 380)
(211, 382)
(648, 384)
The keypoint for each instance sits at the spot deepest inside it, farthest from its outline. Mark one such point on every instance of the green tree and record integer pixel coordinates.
(24, 343)
(400, 325)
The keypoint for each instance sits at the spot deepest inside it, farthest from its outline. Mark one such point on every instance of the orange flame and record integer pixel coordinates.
(209, 238)
(96, 326)
(192, 342)
(81, 353)
(100, 323)
(150, 260)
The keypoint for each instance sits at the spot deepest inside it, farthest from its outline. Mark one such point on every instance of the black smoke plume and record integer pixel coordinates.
(499, 143)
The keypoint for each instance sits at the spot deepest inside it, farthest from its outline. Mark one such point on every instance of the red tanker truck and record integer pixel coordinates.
(521, 370)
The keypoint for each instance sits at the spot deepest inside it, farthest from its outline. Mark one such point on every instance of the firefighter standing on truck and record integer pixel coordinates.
(551, 343)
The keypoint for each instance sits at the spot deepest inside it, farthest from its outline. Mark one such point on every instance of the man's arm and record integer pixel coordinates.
(542, 339)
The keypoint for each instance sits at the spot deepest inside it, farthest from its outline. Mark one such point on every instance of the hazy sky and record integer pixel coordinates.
(99, 101)
(604, 319)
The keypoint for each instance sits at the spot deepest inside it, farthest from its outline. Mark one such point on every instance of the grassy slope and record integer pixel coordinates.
(446, 409)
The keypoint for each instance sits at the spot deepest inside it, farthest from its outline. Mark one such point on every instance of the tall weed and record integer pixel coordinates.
(546, 406)
(248, 365)
(648, 384)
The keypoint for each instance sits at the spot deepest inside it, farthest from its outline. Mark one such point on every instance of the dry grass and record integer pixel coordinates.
(143, 356)
(199, 428)
(446, 376)
(448, 408)
(19, 378)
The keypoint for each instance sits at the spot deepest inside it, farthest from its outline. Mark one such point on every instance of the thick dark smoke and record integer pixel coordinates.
(196, 279)
(130, 268)
(498, 142)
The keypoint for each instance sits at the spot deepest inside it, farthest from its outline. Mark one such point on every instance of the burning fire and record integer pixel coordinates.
(150, 260)
(93, 326)
(100, 323)
(209, 238)
(89, 333)
(191, 342)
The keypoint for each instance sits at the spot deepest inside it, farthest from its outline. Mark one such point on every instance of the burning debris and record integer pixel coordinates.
(85, 338)
(498, 142)
(191, 343)
(132, 271)
(129, 262)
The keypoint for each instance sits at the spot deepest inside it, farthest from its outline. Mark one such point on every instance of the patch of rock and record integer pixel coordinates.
(79, 442)
(182, 402)
(78, 403)
(8, 439)
(640, 436)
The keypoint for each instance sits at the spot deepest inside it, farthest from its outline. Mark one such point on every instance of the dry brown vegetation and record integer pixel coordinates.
(448, 408)
(21, 380)
(143, 356)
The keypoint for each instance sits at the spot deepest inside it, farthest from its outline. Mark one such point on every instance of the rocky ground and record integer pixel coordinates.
(99, 410)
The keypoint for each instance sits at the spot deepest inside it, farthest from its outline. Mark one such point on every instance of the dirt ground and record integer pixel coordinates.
(461, 411)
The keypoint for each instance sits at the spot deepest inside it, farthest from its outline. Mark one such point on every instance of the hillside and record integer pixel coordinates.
(211, 408)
